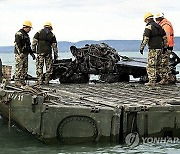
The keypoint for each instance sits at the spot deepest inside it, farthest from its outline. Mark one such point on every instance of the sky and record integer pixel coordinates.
(76, 20)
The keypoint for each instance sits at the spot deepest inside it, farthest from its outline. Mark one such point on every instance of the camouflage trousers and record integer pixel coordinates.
(165, 71)
(21, 68)
(40, 60)
(154, 64)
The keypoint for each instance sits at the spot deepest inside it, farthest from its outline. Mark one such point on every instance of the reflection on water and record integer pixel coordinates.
(19, 142)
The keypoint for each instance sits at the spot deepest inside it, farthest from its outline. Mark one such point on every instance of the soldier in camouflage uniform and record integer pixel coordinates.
(153, 36)
(168, 28)
(45, 40)
(22, 49)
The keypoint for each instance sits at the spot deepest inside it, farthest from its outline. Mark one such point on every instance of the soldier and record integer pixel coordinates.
(22, 49)
(45, 40)
(153, 36)
(165, 71)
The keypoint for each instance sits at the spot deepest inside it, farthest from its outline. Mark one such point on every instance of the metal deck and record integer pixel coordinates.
(73, 113)
(116, 94)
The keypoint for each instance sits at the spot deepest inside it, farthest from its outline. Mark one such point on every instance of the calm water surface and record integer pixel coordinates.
(16, 141)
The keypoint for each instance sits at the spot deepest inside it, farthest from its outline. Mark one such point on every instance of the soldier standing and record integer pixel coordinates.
(153, 36)
(45, 41)
(167, 26)
(22, 49)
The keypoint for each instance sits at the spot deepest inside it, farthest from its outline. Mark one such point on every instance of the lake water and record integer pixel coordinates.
(16, 141)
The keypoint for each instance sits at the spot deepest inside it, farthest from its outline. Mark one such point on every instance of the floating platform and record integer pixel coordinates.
(74, 113)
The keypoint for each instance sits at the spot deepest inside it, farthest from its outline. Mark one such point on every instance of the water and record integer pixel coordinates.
(16, 141)
(8, 59)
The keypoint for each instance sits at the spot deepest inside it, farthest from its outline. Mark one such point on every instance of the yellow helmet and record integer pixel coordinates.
(160, 15)
(27, 24)
(48, 24)
(148, 15)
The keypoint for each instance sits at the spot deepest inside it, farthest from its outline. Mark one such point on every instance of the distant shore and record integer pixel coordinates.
(119, 45)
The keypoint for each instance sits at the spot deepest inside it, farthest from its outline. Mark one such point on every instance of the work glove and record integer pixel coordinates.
(164, 50)
(33, 56)
(141, 52)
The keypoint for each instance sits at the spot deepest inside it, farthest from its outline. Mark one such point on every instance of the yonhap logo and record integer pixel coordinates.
(160, 139)
(132, 139)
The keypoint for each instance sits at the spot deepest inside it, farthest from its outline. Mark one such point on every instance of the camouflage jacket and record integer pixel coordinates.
(22, 42)
(155, 36)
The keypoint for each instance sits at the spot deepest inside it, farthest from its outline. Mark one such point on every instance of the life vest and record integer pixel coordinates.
(167, 26)
(45, 39)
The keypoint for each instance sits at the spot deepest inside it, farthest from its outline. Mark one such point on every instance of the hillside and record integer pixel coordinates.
(119, 45)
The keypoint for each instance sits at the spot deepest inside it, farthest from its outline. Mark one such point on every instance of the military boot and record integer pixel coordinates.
(163, 82)
(23, 83)
(18, 84)
(150, 84)
(46, 82)
(39, 82)
(171, 79)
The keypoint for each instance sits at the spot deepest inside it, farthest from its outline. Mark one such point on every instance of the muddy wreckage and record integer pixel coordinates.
(76, 113)
(102, 60)
(98, 59)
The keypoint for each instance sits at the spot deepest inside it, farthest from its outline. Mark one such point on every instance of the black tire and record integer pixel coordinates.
(111, 78)
(75, 78)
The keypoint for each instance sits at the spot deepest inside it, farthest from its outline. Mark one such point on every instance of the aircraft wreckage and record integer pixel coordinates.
(102, 60)
(76, 113)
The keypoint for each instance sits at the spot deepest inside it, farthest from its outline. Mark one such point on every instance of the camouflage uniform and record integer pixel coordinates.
(22, 49)
(44, 40)
(41, 58)
(165, 72)
(154, 64)
(153, 36)
(168, 28)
